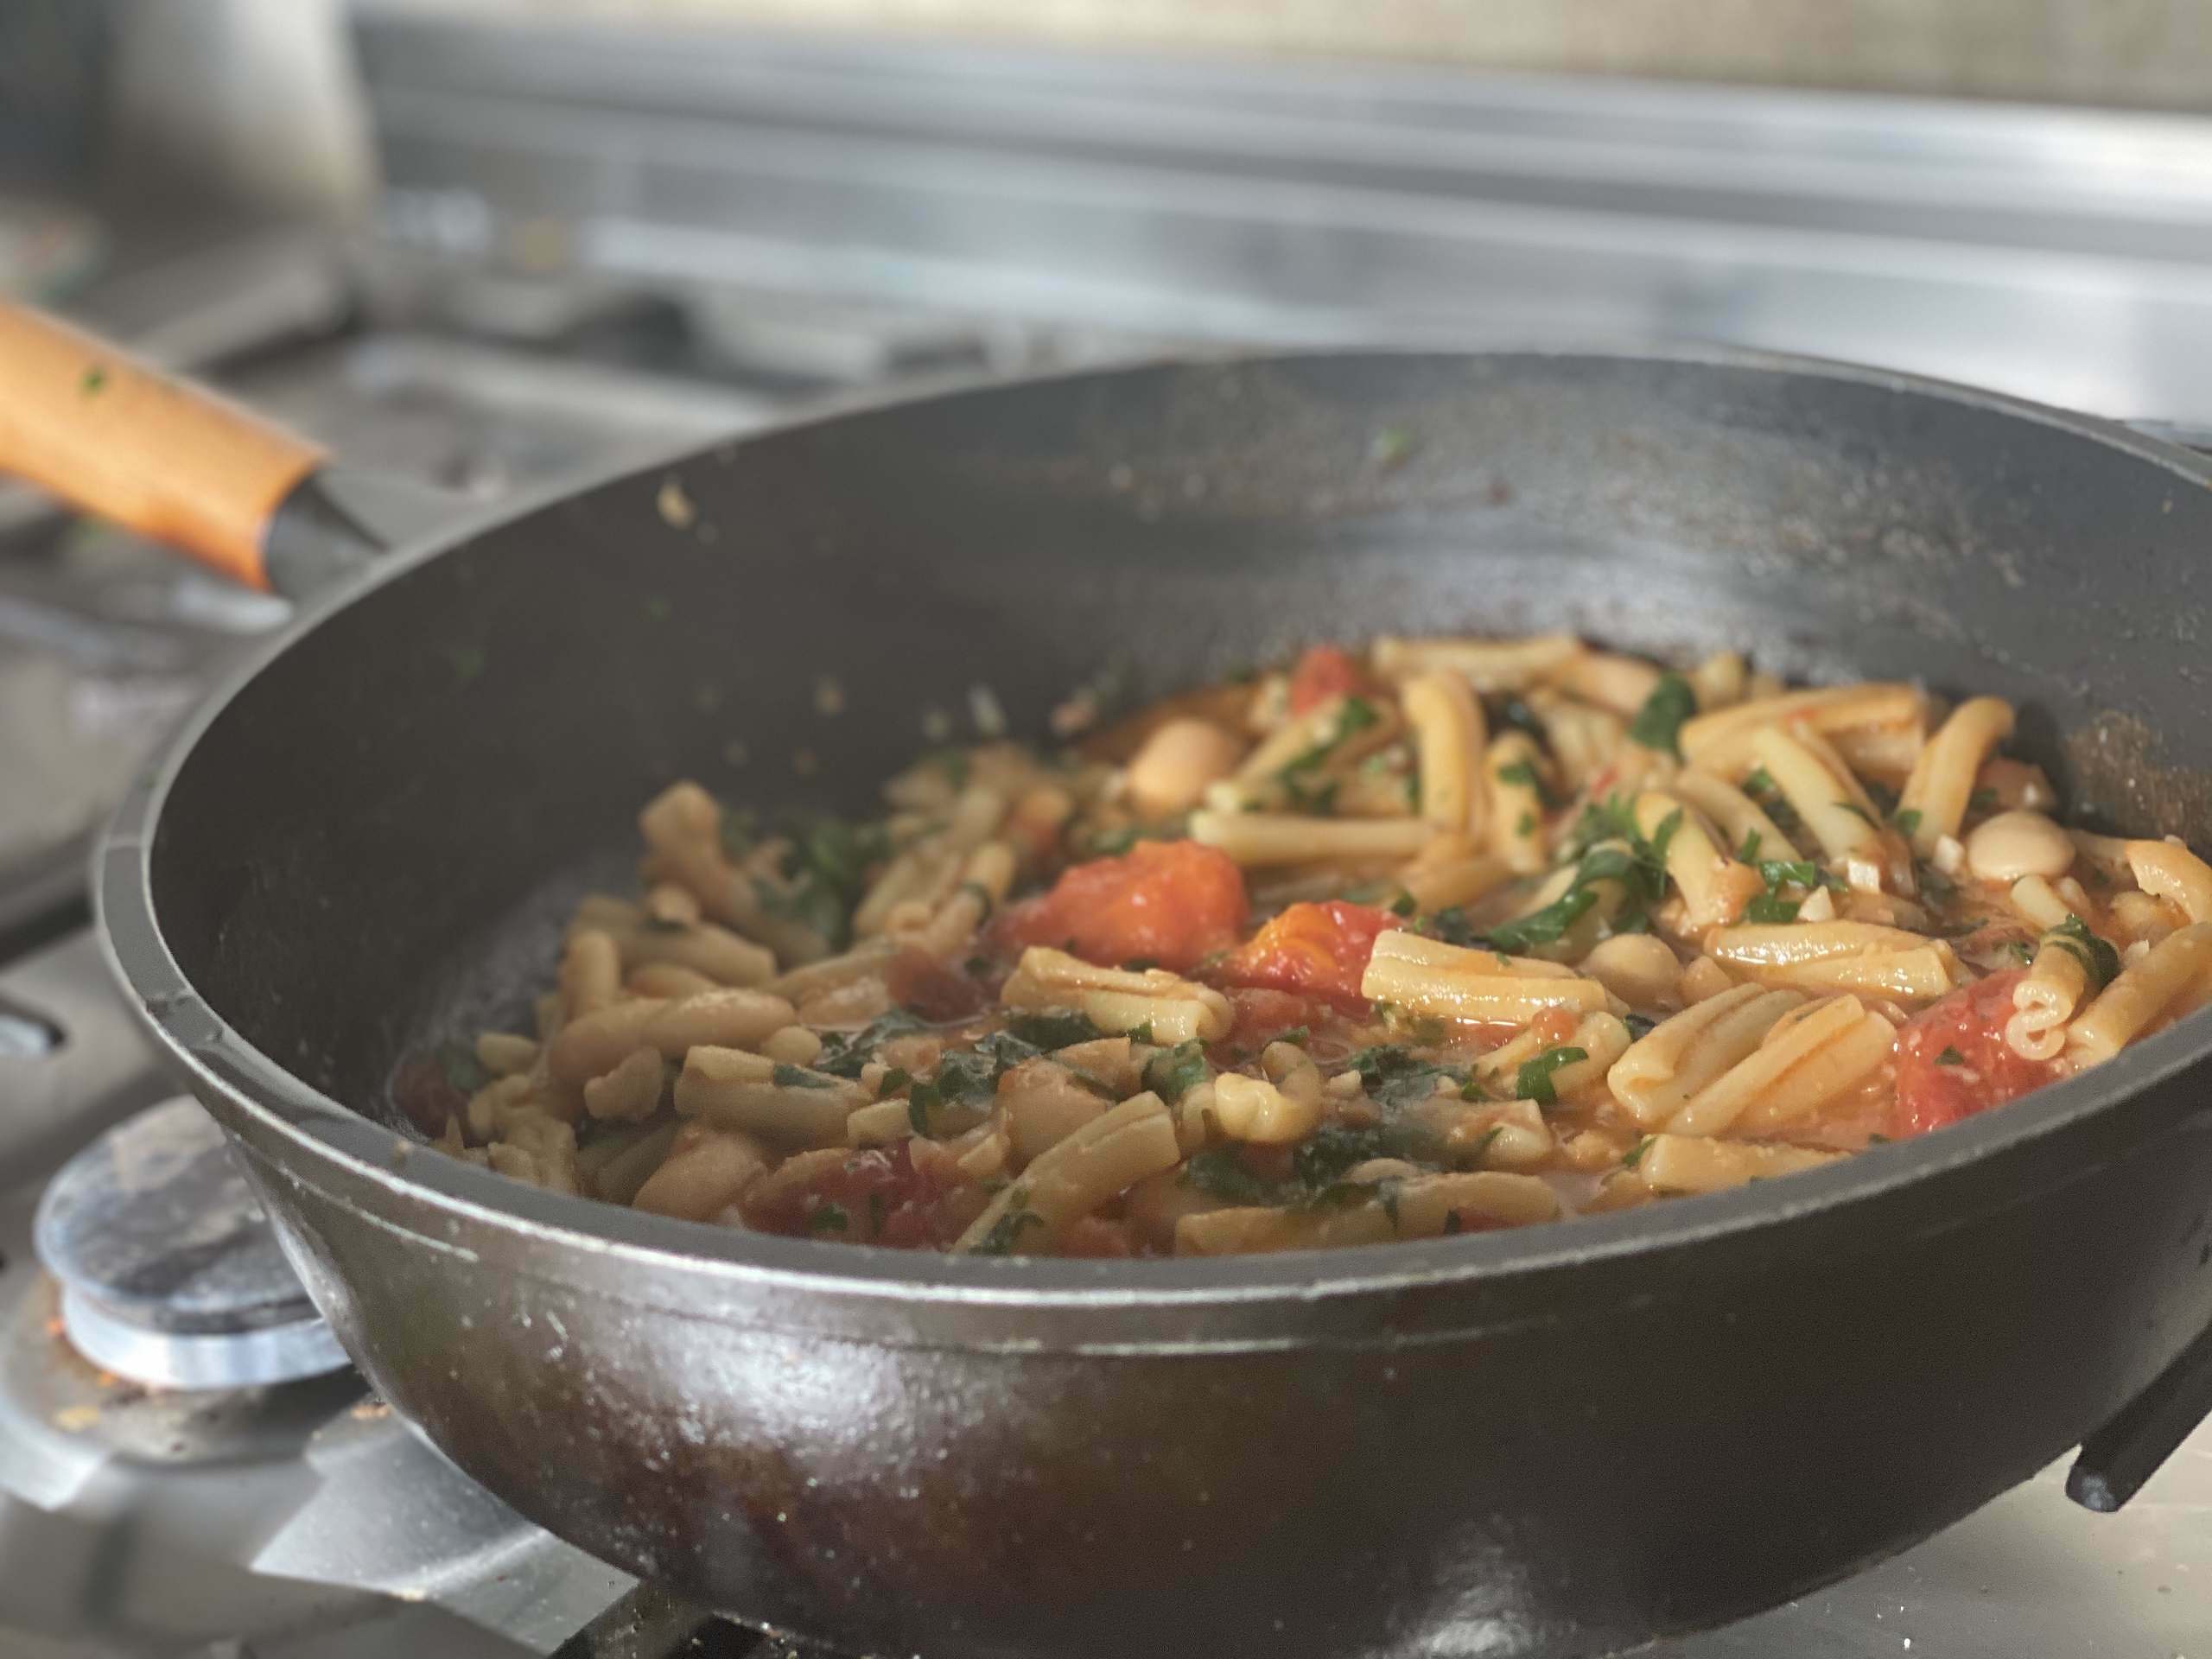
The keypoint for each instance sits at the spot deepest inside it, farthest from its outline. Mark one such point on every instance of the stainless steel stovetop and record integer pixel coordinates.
(303, 1519)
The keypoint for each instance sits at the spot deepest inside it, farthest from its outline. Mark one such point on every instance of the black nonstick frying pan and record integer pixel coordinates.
(1566, 1440)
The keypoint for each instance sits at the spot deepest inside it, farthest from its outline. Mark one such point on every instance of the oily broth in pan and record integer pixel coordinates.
(1424, 936)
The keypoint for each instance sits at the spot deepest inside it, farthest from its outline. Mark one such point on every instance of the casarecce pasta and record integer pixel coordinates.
(1443, 936)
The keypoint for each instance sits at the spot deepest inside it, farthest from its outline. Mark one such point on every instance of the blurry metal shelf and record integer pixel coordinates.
(2065, 254)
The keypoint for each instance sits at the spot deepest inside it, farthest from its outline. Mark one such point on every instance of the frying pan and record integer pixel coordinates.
(1566, 1440)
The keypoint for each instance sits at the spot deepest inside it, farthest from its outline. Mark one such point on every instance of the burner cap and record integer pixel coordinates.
(170, 1272)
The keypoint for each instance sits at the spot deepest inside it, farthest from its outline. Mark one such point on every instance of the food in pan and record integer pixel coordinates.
(1442, 936)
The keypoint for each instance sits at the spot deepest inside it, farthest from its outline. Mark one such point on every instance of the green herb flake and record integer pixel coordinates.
(2098, 958)
(1388, 448)
(1221, 1172)
(1004, 1237)
(1403, 905)
(1908, 822)
(828, 1217)
(1534, 1080)
(1982, 800)
(93, 381)
(797, 1076)
(1544, 926)
(461, 1068)
(1658, 724)
(1859, 812)
(1054, 1028)
(1761, 782)
(1749, 852)
(1771, 907)
(893, 1080)
(1634, 1155)
(1397, 1076)
(1176, 1071)
(1950, 1057)
(1476, 1154)
(1525, 825)
(845, 1053)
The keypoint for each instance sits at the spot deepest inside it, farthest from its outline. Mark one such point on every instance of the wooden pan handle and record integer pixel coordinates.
(126, 442)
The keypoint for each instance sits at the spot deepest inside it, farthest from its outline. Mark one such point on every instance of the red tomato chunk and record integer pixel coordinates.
(1322, 672)
(885, 1196)
(1317, 949)
(1953, 1061)
(1168, 902)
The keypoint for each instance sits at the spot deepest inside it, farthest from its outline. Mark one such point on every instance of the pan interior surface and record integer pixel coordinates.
(370, 847)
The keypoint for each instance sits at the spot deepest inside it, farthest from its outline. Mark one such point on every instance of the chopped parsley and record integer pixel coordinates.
(1749, 852)
(1658, 724)
(1397, 1076)
(968, 1078)
(1859, 813)
(461, 1068)
(1004, 1237)
(1174, 1073)
(1534, 1080)
(1908, 822)
(1638, 1025)
(1523, 774)
(1525, 825)
(1508, 710)
(1221, 1172)
(828, 1217)
(2098, 959)
(1481, 1148)
(1319, 1161)
(1771, 907)
(845, 1053)
(893, 1080)
(1544, 926)
(1403, 905)
(1950, 1057)
(1640, 868)
(1356, 715)
(1981, 800)
(1296, 1036)
(1634, 1155)
(1053, 1028)
(785, 1076)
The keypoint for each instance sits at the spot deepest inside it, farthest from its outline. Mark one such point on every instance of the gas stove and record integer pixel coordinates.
(186, 1466)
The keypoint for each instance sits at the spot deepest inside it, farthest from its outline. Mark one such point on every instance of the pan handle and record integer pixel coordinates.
(121, 440)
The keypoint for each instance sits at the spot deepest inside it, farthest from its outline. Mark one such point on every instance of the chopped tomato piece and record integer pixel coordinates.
(1322, 672)
(877, 1197)
(1168, 902)
(1953, 1061)
(936, 990)
(1319, 950)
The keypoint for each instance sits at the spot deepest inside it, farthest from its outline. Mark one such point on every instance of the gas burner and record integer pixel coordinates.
(170, 1272)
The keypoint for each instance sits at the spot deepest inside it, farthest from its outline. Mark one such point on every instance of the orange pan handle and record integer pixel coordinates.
(125, 442)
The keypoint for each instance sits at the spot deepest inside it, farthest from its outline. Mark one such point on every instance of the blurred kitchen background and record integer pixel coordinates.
(496, 244)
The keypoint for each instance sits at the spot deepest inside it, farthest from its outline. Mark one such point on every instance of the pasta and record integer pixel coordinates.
(1446, 936)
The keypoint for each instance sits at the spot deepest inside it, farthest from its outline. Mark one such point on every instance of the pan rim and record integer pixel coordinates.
(352, 1147)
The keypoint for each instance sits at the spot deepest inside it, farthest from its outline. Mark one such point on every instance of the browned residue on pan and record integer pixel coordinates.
(2116, 761)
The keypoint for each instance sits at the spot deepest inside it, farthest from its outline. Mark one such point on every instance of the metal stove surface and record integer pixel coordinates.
(305, 1521)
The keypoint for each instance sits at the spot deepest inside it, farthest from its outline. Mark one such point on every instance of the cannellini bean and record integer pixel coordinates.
(794, 1044)
(2014, 844)
(1181, 756)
